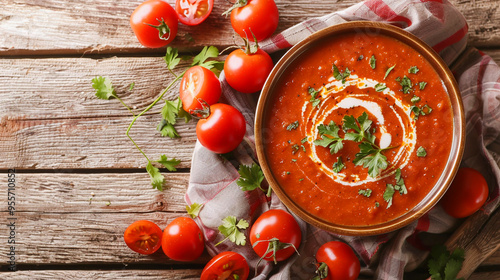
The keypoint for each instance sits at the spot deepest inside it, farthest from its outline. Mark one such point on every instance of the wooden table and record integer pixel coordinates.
(80, 181)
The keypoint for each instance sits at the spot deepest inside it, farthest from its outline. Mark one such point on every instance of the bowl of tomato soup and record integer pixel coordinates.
(360, 128)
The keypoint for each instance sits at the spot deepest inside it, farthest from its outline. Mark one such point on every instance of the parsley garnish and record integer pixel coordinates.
(293, 126)
(373, 62)
(361, 132)
(340, 76)
(193, 210)
(443, 265)
(231, 230)
(380, 87)
(303, 140)
(415, 99)
(171, 58)
(251, 178)
(389, 71)
(413, 70)
(169, 164)
(157, 179)
(391, 189)
(329, 137)
(371, 158)
(421, 152)
(170, 112)
(295, 148)
(314, 93)
(338, 166)
(212, 65)
(366, 193)
(422, 85)
(104, 88)
(389, 192)
(131, 86)
(422, 111)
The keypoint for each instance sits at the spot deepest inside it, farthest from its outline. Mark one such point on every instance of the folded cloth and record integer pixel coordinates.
(213, 177)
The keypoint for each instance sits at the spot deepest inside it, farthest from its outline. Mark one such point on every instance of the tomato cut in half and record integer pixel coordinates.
(340, 259)
(143, 237)
(226, 266)
(183, 240)
(197, 85)
(467, 193)
(193, 12)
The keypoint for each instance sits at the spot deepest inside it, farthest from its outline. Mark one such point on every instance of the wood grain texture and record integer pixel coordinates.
(91, 193)
(172, 274)
(102, 26)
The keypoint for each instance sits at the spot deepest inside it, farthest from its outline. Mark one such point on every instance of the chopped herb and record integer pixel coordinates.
(251, 178)
(366, 193)
(303, 148)
(131, 86)
(301, 179)
(293, 126)
(422, 85)
(314, 93)
(294, 160)
(443, 265)
(380, 87)
(389, 192)
(361, 57)
(389, 71)
(288, 173)
(421, 152)
(231, 230)
(400, 183)
(413, 70)
(373, 62)
(338, 166)
(377, 204)
(422, 111)
(415, 99)
(193, 210)
(329, 137)
(303, 140)
(406, 84)
(340, 76)
(362, 131)
(295, 148)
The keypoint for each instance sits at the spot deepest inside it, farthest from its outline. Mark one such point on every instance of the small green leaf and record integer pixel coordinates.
(167, 130)
(131, 86)
(421, 152)
(373, 62)
(251, 177)
(314, 93)
(172, 58)
(406, 84)
(157, 179)
(292, 126)
(169, 164)
(422, 85)
(338, 166)
(413, 70)
(104, 88)
(366, 193)
(193, 210)
(231, 230)
(380, 87)
(340, 76)
(329, 137)
(389, 71)
(206, 53)
(415, 99)
(389, 192)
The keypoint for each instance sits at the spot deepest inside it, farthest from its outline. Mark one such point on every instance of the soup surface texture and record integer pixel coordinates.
(359, 130)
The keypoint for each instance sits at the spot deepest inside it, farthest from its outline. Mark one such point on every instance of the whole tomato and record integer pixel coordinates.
(246, 71)
(193, 12)
(275, 235)
(340, 259)
(199, 84)
(182, 240)
(223, 130)
(154, 23)
(257, 17)
(466, 195)
(143, 237)
(226, 266)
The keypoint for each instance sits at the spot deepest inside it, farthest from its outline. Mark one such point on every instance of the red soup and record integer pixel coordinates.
(360, 129)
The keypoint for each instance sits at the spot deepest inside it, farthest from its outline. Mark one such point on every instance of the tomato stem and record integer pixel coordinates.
(237, 4)
(162, 29)
(274, 246)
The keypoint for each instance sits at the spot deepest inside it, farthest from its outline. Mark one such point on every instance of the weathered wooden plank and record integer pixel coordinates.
(97, 193)
(171, 274)
(494, 259)
(81, 238)
(102, 26)
(89, 143)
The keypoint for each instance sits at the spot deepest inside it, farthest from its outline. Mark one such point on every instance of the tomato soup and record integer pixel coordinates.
(360, 129)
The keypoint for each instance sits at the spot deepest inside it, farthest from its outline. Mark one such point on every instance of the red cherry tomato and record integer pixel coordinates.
(247, 73)
(258, 16)
(182, 240)
(271, 225)
(193, 12)
(341, 261)
(143, 237)
(199, 83)
(226, 266)
(223, 130)
(154, 13)
(466, 195)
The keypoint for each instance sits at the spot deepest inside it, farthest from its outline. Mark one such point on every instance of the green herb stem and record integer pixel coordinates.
(123, 103)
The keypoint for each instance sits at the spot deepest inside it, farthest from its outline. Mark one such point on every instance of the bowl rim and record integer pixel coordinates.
(458, 115)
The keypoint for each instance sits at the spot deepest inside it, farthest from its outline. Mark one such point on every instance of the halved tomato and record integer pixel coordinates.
(143, 237)
(193, 12)
(199, 84)
(226, 266)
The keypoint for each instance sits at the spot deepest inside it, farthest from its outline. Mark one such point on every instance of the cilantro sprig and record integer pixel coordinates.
(231, 229)
(329, 137)
(391, 189)
(314, 93)
(194, 209)
(444, 265)
(251, 178)
(340, 76)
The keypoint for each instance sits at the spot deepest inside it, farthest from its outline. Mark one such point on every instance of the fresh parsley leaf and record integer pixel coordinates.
(230, 228)
(170, 112)
(314, 93)
(422, 111)
(400, 183)
(422, 85)
(406, 84)
(362, 131)
(415, 99)
(371, 158)
(389, 71)
(303, 140)
(380, 87)
(295, 148)
(157, 179)
(293, 126)
(206, 53)
(340, 76)
(329, 137)
(167, 129)
(413, 70)
(169, 164)
(421, 152)
(131, 86)
(443, 265)
(389, 192)
(104, 88)
(366, 193)
(172, 58)
(193, 210)
(251, 178)
(338, 166)
(171, 109)
(373, 62)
